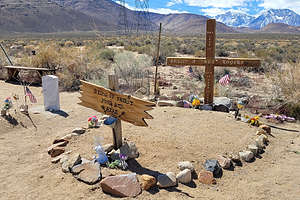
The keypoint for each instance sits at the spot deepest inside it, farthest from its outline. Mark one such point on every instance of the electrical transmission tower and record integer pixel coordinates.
(136, 20)
(143, 17)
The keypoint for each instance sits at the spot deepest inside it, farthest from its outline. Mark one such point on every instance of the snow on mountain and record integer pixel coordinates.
(285, 16)
(235, 19)
(238, 19)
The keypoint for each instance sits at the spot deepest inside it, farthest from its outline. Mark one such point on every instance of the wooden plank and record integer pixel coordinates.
(177, 61)
(237, 62)
(210, 38)
(28, 68)
(222, 62)
(124, 107)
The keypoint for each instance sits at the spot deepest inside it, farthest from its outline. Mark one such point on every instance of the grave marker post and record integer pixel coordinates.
(211, 61)
(113, 84)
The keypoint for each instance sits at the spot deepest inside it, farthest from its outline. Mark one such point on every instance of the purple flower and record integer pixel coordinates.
(123, 157)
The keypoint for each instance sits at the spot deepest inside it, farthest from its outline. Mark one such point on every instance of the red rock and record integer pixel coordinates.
(56, 151)
(122, 186)
(206, 177)
(147, 181)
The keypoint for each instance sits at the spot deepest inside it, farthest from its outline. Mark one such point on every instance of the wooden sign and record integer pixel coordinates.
(124, 107)
(210, 61)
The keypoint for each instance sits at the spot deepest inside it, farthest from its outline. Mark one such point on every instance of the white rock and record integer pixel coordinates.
(246, 155)
(253, 148)
(186, 165)
(184, 176)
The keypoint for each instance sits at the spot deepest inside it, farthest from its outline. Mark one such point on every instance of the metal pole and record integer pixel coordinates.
(157, 59)
(6, 54)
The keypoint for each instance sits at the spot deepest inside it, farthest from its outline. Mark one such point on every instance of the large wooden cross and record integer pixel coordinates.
(211, 61)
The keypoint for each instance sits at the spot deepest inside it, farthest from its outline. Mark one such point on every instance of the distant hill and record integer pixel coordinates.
(44, 17)
(109, 12)
(280, 28)
(187, 23)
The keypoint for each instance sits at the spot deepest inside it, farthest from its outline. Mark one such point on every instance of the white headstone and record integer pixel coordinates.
(51, 92)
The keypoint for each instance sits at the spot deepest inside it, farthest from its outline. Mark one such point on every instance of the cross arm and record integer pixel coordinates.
(237, 62)
(183, 61)
(221, 62)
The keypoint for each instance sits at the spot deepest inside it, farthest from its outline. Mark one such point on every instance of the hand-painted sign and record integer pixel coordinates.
(124, 107)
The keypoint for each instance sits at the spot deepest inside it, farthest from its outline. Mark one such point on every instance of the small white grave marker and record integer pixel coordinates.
(51, 92)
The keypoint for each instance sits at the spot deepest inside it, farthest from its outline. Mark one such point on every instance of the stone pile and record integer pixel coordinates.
(131, 185)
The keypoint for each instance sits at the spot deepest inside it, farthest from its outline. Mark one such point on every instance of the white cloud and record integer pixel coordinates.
(216, 3)
(173, 2)
(281, 4)
(213, 11)
(156, 10)
(166, 11)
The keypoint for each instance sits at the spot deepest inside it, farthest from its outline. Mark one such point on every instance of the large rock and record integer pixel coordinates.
(129, 149)
(88, 173)
(166, 180)
(147, 181)
(184, 176)
(121, 186)
(71, 162)
(186, 165)
(223, 101)
(247, 155)
(224, 162)
(206, 177)
(214, 167)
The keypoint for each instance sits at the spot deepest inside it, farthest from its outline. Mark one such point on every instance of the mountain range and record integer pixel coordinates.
(281, 16)
(45, 16)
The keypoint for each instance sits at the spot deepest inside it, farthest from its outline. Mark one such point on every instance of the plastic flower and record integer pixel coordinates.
(123, 157)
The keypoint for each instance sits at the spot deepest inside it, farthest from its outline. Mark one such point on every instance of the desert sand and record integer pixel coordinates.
(174, 135)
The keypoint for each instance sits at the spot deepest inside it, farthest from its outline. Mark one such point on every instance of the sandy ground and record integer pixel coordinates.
(173, 135)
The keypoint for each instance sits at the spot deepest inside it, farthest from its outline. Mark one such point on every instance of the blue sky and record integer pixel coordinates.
(215, 7)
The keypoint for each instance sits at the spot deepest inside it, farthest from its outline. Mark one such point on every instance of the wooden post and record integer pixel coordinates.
(157, 59)
(117, 130)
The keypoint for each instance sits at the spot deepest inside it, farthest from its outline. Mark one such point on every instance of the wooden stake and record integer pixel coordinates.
(117, 130)
(157, 59)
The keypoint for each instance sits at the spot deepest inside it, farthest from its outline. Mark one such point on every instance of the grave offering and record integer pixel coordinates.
(51, 92)
(210, 61)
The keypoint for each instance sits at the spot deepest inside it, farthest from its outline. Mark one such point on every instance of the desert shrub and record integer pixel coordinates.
(107, 54)
(46, 57)
(286, 85)
(131, 69)
(287, 79)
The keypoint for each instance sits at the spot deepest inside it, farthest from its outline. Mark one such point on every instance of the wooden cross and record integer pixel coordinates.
(211, 61)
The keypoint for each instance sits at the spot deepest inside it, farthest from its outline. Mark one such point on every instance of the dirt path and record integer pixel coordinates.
(173, 135)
